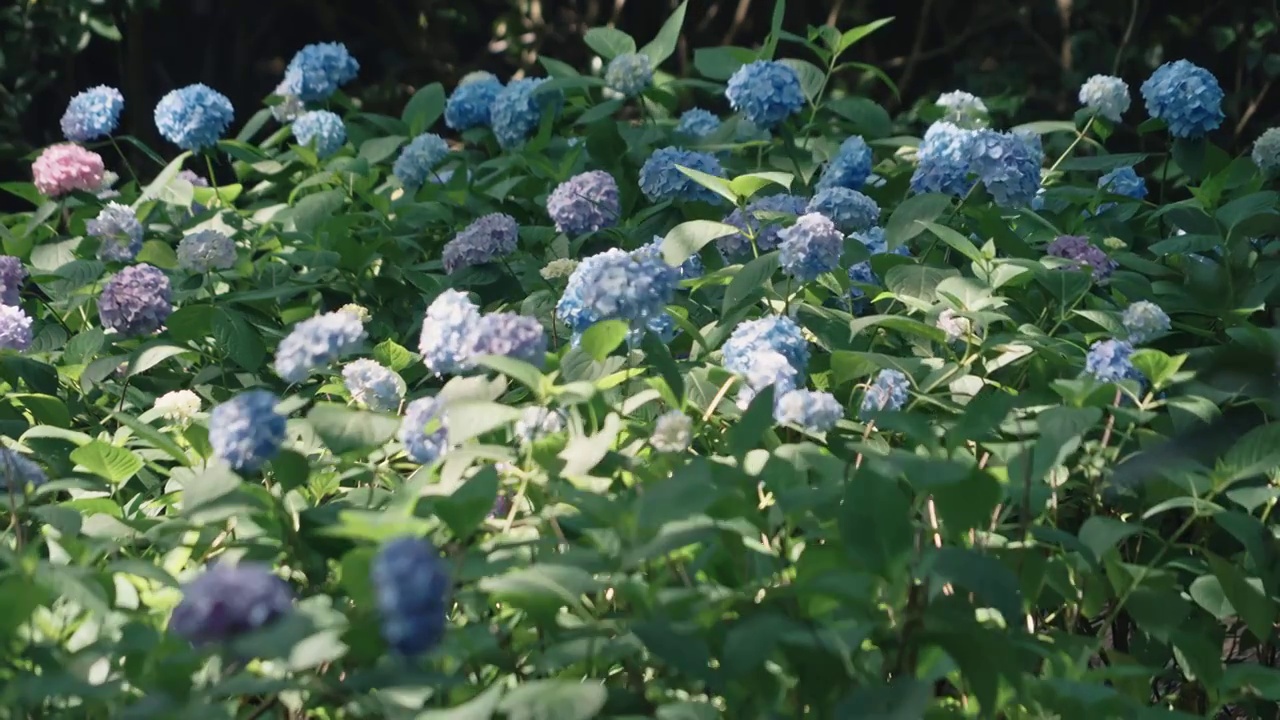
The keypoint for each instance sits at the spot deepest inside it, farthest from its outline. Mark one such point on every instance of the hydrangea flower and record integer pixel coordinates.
(813, 411)
(18, 472)
(688, 270)
(12, 275)
(765, 92)
(246, 431)
(289, 107)
(585, 203)
(661, 179)
(508, 334)
(194, 117)
(359, 311)
(1186, 97)
(419, 158)
(558, 268)
(536, 422)
(373, 385)
(92, 114)
(316, 342)
(228, 601)
(811, 247)
(318, 70)
(874, 241)
(424, 432)
(778, 333)
(205, 251)
(1124, 181)
(766, 368)
(445, 331)
(15, 328)
(470, 104)
(888, 392)
(849, 168)
(135, 301)
(1008, 164)
(850, 210)
(411, 588)
(1111, 361)
(1084, 254)
(942, 161)
(955, 325)
(753, 220)
(963, 109)
(486, 239)
(516, 112)
(697, 123)
(321, 130)
(1266, 152)
(1144, 320)
(672, 432)
(629, 74)
(117, 229)
(616, 284)
(1106, 95)
(178, 406)
(63, 168)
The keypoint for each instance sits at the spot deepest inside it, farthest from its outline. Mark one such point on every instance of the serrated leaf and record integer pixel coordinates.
(686, 239)
(343, 429)
(114, 464)
(603, 338)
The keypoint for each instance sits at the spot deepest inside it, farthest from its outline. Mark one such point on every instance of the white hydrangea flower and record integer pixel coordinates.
(955, 325)
(359, 311)
(562, 267)
(1106, 95)
(672, 432)
(963, 109)
(178, 406)
(1266, 152)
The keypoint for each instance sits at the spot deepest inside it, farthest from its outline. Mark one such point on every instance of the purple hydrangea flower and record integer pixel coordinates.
(1186, 97)
(316, 342)
(1084, 254)
(246, 431)
(811, 247)
(411, 588)
(697, 123)
(194, 117)
(850, 210)
(135, 301)
(615, 284)
(585, 203)
(1110, 361)
(516, 111)
(490, 237)
(12, 276)
(942, 161)
(424, 431)
(766, 368)
(17, 472)
(507, 334)
(1123, 181)
(15, 328)
(1008, 164)
(419, 158)
(228, 601)
(118, 231)
(205, 251)
(778, 333)
(762, 218)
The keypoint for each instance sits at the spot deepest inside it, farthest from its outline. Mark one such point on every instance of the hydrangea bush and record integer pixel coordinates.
(635, 395)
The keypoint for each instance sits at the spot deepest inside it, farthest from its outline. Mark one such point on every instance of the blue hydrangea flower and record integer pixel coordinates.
(508, 334)
(1106, 95)
(1008, 164)
(424, 432)
(316, 342)
(246, 431)
(849, 168)
(766, 368)
(419, 158)
(850, 210)
(92, 114)
(663, 326)
(135, 301)
(1111, 361)
(118, 231)
(1084, 254)
(697, 123)
(470, 104)
(763, 218)
(585, 203)
(486, 239)
(1266, 152)
(227, 601)
(445, 331)
(778, 333)
(943, 160)
(373, 385)
(1186, 97)
(813, 411)
(661, 179)
(1144, 320)
(17, 471)
(205, 251)
(765, 92)
(15, 328)
(516, 112)
(963, 109)
(12, 276)
(888, 392)
(536, 422)
(289, 107)
(194, 117)
(874, 241)
(323, 128)
(672, 432)
(619, 285)
(411, 588)
(688, 270)
(1124, 181)
(811, 247)
(629, 74)
(318, 70)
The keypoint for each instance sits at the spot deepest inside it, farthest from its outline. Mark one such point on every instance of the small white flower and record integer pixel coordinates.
(963, 109)
(178, 406)
(956, 326)
(359, 311)
(562, 267)
(672, 432)
(1106, 95)
(1266, 152)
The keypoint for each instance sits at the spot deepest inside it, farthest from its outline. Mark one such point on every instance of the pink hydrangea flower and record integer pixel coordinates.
(66, 167)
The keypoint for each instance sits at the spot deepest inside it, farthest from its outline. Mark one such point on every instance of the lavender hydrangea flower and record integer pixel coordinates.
(12, 276)
(490, 237)
(1008, 164)
(318, 70)
(470, 104)
(1186, 97)
(765, 92)
(445, 332)
(316, 342)
(943, 160)
(761, 218)
(92, 114)
(1084, 254)
(1266, 152)
(206, 251)
(850, 210)
(888, 392)
(697, 123)
(537, 422)
(616, 284)
(629, 74)
(411, 588)
(1106, 95)
(419, 158)
(778, 333)
(424, 432)
(228, 601)
(672, 432)
(194, 117)
(17, 472)
(849, 168)
(955, 325)
(811, 247)
(661, 179)
(135, 301)
(246, 431)
(15, 328)
(1144, 320)
(813, 411)
(516, 111)
(321, 130)
(508, 334)
(373, 385)
(963, 109)
(585, 203)
(117, 229)
(1110, 361)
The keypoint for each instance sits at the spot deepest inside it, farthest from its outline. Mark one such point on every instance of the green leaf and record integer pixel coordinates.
(290, 469)
(917, 281)
(1257, 453)
(900, 699)
(424, 108)
(378, 149)
(343, 429)
(907, 220)
(469, 419)
(1100, 533)
(719, 63)
(314, 209)
(215, 482)
(812, 77)
(745, 434)
(958, 242)
(554, 700)
(393, 355)
(874, 523)
(603, 338)
(157, 439)
(1247, 596)
(480, 707)
(237, 338)
(657, 352)
(1102, 163)
(1191, 155)
(744, 186)
(869, 118)
(83, 347)
(665, 42)
(153, 354)
(115, 464)
(470, 503)
(716, 184)
(900, 323)
(541, 586)
(750, 281)
(987, 578)
(609, 42)
(1157, 366)
(583, 453)
(528, 375)
(852, 36)
(154, 190)
(686, 239)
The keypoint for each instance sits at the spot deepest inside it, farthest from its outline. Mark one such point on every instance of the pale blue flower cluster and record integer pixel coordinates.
(813, 411)
(12, 276)
(536, 422)
(1124, 181)
(887, 393)
(373, 385)
(942, 161)
(471, 103)
(616, 284)
(1084, 254)
(1008, 164)
(516, 112)
(135, 301)
(424, 432)
(1266, 152)
(963, 109)
(1144, 320)
(661, 179)
(874, 241)
(17, 471)
(419, 158)
(778, 333)
(849, 168)
(1111, 361)
(508, 334)
(318, 70)
(15, 328)
(411, 588)
(321, 130)
(1106, 95)
(762, 218)
(1186, 97)
(629, 74)
(688, 270)
(810, 247)
(316, 342)
(194, 117)
(445, 328)
(763, 369)
(92, 114)
(246, 431)
(486, 239)
(585, 203)
(850, 210)
(205, 251)
(118, 231)
(672, 432)
(697, 123)
(765, 92)
(228, 601)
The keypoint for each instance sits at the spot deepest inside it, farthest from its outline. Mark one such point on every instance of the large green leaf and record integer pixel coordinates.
(115, 464)
(343, 429)
(664, 43)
